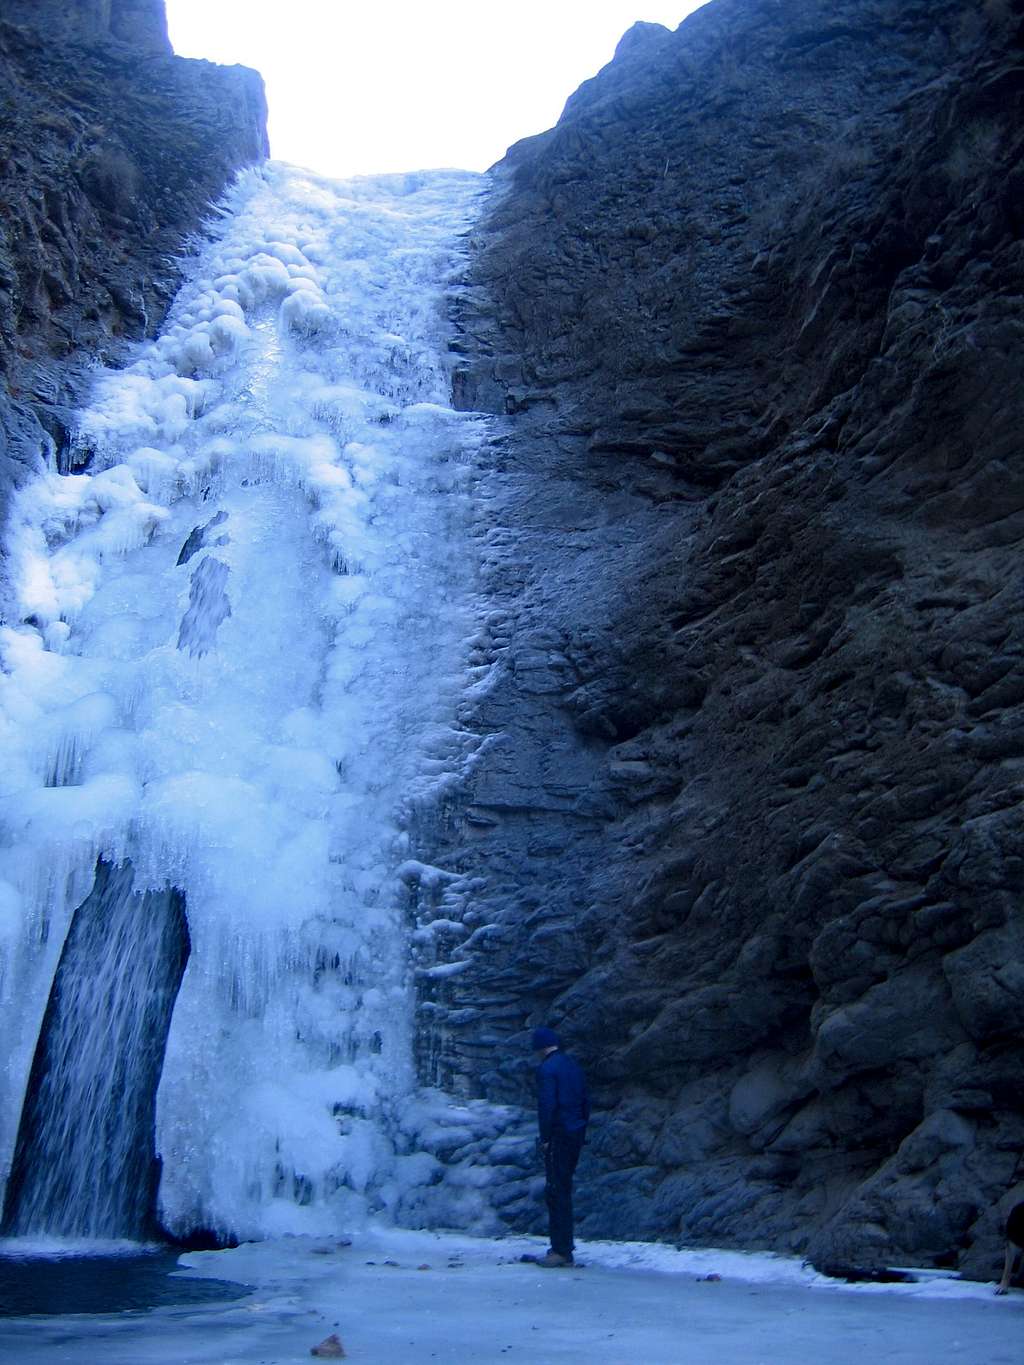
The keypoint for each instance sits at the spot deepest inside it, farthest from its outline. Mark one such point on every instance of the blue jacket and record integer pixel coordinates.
(563, 1105)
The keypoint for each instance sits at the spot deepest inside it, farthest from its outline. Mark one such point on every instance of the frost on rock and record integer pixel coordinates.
(241, 633)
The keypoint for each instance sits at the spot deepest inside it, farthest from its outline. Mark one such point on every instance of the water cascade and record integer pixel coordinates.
(242, 614)
(84, 1161)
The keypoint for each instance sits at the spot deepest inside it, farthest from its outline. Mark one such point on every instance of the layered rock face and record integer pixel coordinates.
(111, 152)
(746, 823)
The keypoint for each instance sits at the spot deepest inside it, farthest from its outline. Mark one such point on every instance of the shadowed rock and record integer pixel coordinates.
(747, 826)
(199, 537)
(208, 607)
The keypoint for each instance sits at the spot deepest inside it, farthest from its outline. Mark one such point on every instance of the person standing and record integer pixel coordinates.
(563, 1111)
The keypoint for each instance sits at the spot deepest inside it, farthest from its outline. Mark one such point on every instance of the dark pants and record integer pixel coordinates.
(561, 1156)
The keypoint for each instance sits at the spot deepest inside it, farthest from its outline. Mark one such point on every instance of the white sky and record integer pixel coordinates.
(366, 86)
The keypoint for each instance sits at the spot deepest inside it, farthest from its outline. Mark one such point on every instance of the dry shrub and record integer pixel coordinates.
(55, 123)
(111, 179)
(997, 11)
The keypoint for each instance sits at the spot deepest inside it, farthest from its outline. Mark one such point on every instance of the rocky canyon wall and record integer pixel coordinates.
(111, 153)
(745, 822)
(745, 816)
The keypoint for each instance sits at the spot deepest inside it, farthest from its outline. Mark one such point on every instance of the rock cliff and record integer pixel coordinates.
(111, 153)
(746, 817)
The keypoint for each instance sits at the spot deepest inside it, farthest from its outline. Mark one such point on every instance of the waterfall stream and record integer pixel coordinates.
(84, 1164)
(242, 633)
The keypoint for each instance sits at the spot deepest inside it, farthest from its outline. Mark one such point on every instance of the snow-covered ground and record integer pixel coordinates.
(397, 1297)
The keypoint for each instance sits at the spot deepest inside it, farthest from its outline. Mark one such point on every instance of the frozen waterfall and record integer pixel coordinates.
(240, 645)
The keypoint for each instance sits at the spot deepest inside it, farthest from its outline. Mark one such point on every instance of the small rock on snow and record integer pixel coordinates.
(330, 1348)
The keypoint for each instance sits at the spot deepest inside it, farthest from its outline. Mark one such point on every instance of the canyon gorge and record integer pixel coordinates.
(739, 807)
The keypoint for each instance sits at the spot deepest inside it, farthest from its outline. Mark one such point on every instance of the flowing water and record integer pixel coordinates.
(84, 1163)
(241, 634)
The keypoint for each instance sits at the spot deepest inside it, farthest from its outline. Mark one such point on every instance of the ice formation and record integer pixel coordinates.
(241, 639)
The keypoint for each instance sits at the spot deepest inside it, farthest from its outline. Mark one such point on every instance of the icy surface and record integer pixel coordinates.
(405, 1298)
(240, 647)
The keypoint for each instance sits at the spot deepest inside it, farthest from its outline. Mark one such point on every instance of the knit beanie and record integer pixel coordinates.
(543, 1038)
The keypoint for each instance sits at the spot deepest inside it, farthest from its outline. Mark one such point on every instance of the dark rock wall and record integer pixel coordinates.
(143, 23)
(111, 153)
(746, 818)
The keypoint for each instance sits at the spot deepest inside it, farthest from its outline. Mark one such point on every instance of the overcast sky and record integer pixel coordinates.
(363, 86)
